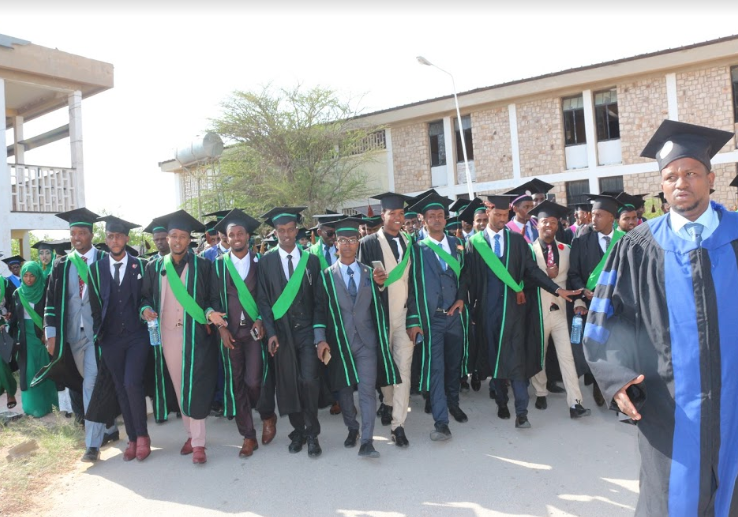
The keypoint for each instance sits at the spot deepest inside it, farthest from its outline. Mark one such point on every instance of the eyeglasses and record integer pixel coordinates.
(344, 241)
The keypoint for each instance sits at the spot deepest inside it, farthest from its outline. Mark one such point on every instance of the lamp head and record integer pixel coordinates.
(423, 61)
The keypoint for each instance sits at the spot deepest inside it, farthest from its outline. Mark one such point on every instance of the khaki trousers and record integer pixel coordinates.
(402, 352)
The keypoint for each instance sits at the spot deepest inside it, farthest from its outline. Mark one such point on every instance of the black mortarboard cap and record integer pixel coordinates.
(220, 214)
(410, 213)
(328, 218)
(104, 247)
(58, 246)
(459, 205)
(613, 193)
(534, 186)
(431, 202)
(631, 200)
(734, 183)
(79, 217)
(15, 259)
(328, 211)
(303, 233)
(549, 209)
(43, 245)
(283, 215)
(660, 196)
(674, 140)
(467, 214)
(452, 223)
(181, 220)
(347, 226)
(392, 200)
(155, 226)
(501, 201)
(414, 199)
(239, 218)
(210, 227)
(585, 207)
(372, 222)
(116, 224)
(607, 203)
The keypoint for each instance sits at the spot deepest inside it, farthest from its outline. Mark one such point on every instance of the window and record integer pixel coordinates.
(466, 124)
(611, 184)
(606, 115)
(576, 192)
(574, 121)
(437, 143)
(734, 74)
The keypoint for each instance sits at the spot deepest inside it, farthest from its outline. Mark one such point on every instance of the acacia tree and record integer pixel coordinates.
(293, 147)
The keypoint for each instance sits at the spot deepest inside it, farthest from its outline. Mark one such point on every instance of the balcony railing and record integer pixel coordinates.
(42, 189)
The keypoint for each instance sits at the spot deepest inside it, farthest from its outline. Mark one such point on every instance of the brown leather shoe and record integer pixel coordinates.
(186, 448)
(143, 447)
(248, 448)
(198, 455)
(336, 409)
(269, 430)
(130, 452)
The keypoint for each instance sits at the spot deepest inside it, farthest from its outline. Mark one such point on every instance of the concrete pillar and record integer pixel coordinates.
(75, 142)
(390, 160)
(512, 114)
(672, 100)
(25, 246)
(19, 149)
(450, 143)
(5, 192)
(590, 128)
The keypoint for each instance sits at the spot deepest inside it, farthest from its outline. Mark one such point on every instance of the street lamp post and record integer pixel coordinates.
(424, 61)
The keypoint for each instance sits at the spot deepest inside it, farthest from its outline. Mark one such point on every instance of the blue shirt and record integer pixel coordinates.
(709, 220)
(346, 277)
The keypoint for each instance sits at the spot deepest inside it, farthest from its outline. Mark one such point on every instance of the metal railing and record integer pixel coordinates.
(36, 188)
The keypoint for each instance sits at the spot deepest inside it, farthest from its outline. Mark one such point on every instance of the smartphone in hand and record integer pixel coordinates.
(376, 264)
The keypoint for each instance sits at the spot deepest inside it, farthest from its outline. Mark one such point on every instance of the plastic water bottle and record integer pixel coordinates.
(154, 335)
(576, 330)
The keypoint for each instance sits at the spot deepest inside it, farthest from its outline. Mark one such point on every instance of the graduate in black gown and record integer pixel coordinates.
(661, 334)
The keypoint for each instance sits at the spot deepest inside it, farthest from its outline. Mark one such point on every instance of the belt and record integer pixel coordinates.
(441, 311)
(243, 323)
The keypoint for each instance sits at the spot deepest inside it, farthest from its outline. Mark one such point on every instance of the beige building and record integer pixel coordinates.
(35, 81)
(581, 129)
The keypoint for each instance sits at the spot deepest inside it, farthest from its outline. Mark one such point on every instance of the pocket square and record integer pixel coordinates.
(139, 276)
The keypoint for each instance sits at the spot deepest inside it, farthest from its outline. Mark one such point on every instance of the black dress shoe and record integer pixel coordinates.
(578, 411)
(110, 438)
(380, 409)
(458, 414)
(91, 455)
(552, 387)
(314, 449)
(599, 399)
(298, 440)
(492, 394)
(387, 415)
(541, 403)
(476, 384)
(367, 450)
(503, 412)
(217, 409)
(464, 386)
(441, 433)
(521, 422)
(398, 436)
(428, 406)
(351, 438)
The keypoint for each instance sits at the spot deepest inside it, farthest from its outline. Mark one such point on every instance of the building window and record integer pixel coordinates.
(437, 143)
(466, 124)
(734, 74)
(611, 184)
(606, 115)
(577, 191)
(574, 133)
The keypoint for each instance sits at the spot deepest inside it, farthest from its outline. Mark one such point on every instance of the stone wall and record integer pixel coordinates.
(705, 97)
(642, 106)
(541, 137)
(411, 158)
(492, 146)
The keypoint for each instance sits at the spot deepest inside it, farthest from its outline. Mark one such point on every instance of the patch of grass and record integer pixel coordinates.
(23, 480)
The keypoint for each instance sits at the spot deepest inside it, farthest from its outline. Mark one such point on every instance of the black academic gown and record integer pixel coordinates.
(518, 355)
(199, 358)
(283, 377)
(667, 309)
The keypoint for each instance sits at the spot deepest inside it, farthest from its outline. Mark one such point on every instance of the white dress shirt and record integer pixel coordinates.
(295, 253)
(222, 249)
(491, 236)
(123, 261)
(601, 239)
(243, 265)
(709, 220)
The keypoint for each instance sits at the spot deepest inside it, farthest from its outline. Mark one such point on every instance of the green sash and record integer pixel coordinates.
(83, 270)
(493, 261)
(34, 315)
(394, 275)
(317, 250)
(2, 288)
(180, 293)
(284, 302)
(446, 257)
(244, 295)
(617, 234)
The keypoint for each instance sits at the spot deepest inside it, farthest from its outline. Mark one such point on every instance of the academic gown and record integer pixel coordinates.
(666, 309)
(519, 353)
(199, 358)
(18, 331)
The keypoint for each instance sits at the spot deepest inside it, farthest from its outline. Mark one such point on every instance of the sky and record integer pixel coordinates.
(176, 62)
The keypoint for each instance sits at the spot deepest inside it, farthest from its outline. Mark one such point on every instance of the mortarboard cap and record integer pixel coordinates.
(549, 209)
(220, 214)
(45, 245)
(210, 227)
(414, 199)
(348, 226)
(632, 201)
(660, 196)
(584, 207)
(392, 200)
(372, 222)
(501, 201)
(155, 226)
(15, 259)
(431, 202)
(238, 218)
(734, 183)
(467, 214)
(674, 140)
(117, 225)
(452, 223)
(302, 233)
(459, 205)
(283, 215)
(181, 220)
(79, 217)
(534, 186)
(607, 203)
(410, 213)
(104, 247)
(328, 218)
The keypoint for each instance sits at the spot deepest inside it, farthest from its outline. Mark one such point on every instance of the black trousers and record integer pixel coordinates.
(126, 356)
(308, 372)
(246, 364)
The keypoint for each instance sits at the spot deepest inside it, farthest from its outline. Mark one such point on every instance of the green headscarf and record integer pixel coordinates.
(33, 293)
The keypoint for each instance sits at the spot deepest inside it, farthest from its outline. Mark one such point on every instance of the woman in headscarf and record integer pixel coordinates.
(27, 326)
(46, 256)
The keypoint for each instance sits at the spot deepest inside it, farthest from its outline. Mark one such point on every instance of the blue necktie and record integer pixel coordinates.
(498, 248)
(695, 231)
(328, 256)
(351, 284)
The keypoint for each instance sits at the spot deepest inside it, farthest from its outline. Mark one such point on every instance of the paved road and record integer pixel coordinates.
(559, 467)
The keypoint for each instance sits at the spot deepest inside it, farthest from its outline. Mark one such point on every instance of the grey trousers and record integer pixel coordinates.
(365, 358)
